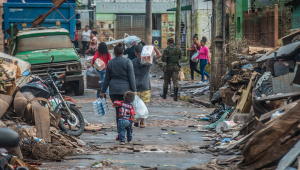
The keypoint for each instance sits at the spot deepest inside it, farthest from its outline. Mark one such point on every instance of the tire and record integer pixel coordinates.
(80, 118)
(79, 88)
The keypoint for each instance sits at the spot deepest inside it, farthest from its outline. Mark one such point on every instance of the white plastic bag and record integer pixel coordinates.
(147, 55)
(99, 64)
(132, 41)
(141, 110)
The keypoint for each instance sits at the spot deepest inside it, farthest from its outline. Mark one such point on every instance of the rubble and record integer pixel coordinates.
(263, 126)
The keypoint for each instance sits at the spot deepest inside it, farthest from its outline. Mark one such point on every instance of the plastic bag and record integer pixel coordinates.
(215, 98)
(141, 110)
(92, 72)
(194, 56)
(131, 41)
(100, 106)
(147, 55)
(89, 61)
(99, 64)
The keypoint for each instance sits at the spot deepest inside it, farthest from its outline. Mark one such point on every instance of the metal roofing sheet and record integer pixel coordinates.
(282, 52)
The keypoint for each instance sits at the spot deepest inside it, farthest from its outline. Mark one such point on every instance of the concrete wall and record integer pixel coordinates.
(202, 15)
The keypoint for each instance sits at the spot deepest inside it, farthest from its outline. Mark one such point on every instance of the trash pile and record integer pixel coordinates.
(261, 128)
(37, 127)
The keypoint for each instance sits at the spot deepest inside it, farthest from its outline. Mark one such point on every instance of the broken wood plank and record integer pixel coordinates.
(42, 122)
(289, 158)
(280, 96)
(268, 115)
(259, 50)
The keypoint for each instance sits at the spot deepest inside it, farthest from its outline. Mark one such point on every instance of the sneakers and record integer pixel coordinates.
(129, 142)
(122, 143)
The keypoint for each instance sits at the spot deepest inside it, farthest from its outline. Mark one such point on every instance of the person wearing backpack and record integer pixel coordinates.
(105, 56)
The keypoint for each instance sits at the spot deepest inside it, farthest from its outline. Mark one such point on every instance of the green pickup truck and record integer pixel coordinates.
(37, 45)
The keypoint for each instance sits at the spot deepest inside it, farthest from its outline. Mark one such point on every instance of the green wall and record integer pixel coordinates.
(240, 7)
(296, 16)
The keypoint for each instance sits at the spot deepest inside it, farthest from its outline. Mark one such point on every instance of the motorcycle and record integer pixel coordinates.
(50, 89)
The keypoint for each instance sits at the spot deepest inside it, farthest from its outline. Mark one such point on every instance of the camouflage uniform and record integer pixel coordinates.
(171, 56)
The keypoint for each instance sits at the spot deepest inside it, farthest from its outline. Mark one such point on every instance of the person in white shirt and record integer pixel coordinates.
(85, 37)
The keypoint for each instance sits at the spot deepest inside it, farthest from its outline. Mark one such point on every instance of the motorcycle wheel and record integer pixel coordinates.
(64, 123)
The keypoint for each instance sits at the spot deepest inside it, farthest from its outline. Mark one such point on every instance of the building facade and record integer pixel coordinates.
(120, 17)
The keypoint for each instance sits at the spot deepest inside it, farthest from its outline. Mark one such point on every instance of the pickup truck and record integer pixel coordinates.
(37, 45)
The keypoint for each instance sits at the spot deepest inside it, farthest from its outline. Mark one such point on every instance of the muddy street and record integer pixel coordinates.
(167, 142)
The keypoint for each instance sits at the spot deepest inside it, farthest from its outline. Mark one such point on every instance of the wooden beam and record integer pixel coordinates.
(276, 25)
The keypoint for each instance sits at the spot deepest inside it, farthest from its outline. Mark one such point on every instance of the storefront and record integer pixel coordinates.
(114, 19)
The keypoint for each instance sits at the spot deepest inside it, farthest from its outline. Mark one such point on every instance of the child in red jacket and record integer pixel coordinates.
(126, 117)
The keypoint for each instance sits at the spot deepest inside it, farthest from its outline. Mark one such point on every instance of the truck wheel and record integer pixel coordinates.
(79, 88)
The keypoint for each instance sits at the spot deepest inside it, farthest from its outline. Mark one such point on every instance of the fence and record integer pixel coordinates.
(261, 27)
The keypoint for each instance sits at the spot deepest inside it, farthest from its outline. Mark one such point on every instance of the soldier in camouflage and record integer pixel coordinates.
(171, 55)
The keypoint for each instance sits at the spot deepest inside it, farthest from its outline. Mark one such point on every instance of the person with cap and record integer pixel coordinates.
(171, 55)
(204, 58)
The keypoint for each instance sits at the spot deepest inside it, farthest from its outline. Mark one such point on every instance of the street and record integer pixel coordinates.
(166, 143)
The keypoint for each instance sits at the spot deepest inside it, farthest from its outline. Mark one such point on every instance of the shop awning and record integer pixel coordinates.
(183, 8)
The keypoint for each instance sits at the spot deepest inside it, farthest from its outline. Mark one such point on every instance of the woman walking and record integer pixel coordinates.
(85, 37)
(204, 58)
(119, 78)
(142, 77)
(93, 44)
(193, 65)
(105, 56)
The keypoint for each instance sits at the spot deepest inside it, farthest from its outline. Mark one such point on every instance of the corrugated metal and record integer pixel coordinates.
(283, 84)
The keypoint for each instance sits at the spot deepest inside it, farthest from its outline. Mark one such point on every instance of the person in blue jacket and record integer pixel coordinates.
(130, 51)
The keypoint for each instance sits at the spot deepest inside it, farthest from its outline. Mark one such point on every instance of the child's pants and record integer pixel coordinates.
(125, 125)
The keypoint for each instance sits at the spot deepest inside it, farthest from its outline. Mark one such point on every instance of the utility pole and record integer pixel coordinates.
(148, 22)
(178, 23)
(218, 40)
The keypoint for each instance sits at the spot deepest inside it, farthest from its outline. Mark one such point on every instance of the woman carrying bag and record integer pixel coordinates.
(203, 56)
(193, 53)
(105, 56)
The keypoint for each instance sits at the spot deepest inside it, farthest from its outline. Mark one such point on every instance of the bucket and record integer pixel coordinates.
(224, 126)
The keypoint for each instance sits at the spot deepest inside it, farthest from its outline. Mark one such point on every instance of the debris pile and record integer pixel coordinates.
(37, 126)
(262, 130)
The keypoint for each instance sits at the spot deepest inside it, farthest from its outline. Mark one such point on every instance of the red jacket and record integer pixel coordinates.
(103, 57)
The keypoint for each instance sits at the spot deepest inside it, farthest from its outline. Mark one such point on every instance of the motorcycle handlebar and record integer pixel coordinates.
(8, 138)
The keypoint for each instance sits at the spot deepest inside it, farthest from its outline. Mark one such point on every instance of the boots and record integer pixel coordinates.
(164, 94)
(175, 93)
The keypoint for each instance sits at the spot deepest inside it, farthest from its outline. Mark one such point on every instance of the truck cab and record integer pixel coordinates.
(37, 45)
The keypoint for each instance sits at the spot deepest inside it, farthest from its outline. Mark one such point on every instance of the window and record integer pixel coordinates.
(44, 42)
(238, 24)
